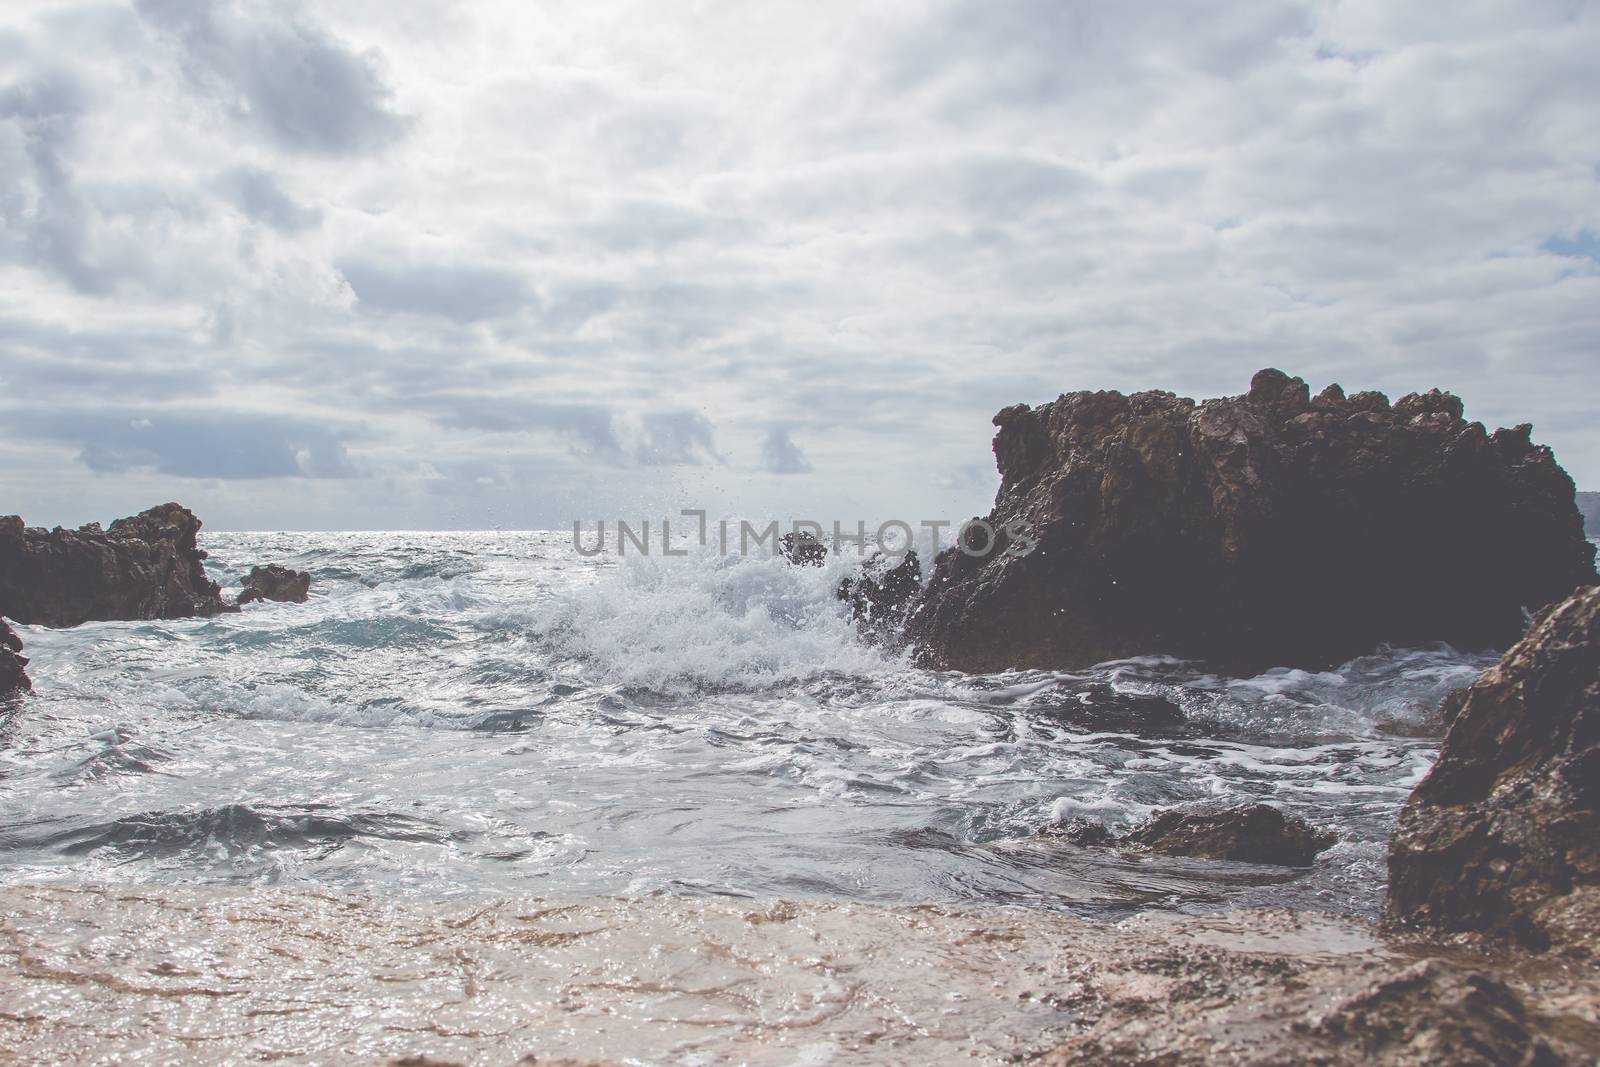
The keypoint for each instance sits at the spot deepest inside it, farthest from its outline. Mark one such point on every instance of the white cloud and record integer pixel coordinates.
(544, 260)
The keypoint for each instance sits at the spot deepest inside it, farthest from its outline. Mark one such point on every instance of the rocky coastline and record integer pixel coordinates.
(1486, 953)
(147, 566)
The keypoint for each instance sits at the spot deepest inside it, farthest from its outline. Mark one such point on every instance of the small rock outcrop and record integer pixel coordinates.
(882, 592)
(803, 549)
(143, 567)
(13, 664)
(275, 582)
(1246, 833)
(1502, 838)
(1270, 529)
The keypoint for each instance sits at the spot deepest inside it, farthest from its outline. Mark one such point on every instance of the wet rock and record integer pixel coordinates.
(1500, 839)
(803, 549)
(143, 567)
(1101, 707)
(882, 592)
(13, 664)
(1256, 1014)
(274, 582)
(1249, 833)
(1269, 529)
(1085, 833)
(1433, 1013)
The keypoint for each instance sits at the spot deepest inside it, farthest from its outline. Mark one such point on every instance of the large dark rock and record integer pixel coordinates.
(1254, 531)
(13, 664)
(1246, 833)
(1502, 838)
(275, 582)
(143, 567)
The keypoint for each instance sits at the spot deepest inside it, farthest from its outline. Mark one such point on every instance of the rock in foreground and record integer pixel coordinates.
(275, 582)
(1254, 531)
(13, 665)
(1502, 838)
(143, 567)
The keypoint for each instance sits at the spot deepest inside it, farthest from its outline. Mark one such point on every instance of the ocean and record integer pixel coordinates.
(462, 715)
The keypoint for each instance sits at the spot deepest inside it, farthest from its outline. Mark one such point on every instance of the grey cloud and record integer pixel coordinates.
(1040, 53)
(234, 445)
(677, 438)
(258, 194)
(461, 293)
(780, 455)
(590, 428)
(299, 87)
(44, 209)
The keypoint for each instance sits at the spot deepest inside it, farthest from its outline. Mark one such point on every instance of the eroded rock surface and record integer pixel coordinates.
(275, 582)
(143, 567)
(13, 664)
(1270, 529)
(1502, 838)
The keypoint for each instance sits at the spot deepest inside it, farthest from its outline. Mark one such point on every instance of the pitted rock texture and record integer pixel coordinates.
(1502, 838)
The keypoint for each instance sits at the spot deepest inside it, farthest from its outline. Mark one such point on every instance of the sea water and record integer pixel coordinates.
(457, 714)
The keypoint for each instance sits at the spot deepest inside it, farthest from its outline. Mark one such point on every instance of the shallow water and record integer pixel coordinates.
(229, 976)
(468, 713)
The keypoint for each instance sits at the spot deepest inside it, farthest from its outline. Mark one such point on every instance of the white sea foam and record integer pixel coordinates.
(708, 621)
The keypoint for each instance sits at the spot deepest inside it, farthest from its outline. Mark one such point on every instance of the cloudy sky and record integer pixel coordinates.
(396, 263)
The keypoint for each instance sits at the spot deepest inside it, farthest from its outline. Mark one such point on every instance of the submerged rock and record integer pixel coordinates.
(143, 567)
(1247, 833)
(275, 582)
(13, 664)
(1253, 531)
(1502, 838)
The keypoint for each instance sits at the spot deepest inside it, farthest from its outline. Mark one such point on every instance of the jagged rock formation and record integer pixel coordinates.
(1247, 833)
(1253, 531)
(1500, 839)
(13, 664)
(275, 582)
(143, 567)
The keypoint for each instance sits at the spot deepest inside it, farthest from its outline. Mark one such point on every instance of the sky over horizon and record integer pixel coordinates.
(405, 264)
